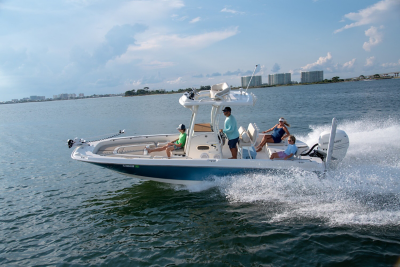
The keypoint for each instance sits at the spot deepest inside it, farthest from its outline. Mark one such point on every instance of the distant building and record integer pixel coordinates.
(312, 76)
(81, 95)
(64, 96)
(255, 81)
(279, 78)
(36, 98)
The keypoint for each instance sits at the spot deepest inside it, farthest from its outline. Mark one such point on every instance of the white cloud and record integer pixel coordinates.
(391, 65)
(195, 20)
(375, 37)
(322, 62)
(232, 11)
(155, 64)
(382, 11)
(327, 64)
(261, 70)
(229, 11)
(175, 41)
(182, 18)
(349, 65)
(276, 67)
(136, 83)
(370, 63)
(177, 81)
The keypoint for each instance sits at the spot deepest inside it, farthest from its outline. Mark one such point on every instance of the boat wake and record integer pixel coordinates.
(363, 189)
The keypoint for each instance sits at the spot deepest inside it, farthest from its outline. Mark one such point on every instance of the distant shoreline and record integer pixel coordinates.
(180, 91)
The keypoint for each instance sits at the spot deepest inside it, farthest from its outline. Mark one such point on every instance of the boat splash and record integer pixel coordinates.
(364, 189)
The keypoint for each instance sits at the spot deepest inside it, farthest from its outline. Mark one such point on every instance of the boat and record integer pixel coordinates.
(206, 152)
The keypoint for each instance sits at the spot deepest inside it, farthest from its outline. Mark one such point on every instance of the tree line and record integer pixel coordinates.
(147, 91)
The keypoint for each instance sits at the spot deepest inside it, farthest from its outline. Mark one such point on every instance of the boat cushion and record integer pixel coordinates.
(217, 89)
(249, 152)
(253, 131)
(244, 136)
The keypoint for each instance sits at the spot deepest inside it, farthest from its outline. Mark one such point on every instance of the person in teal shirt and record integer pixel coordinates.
(174, 145)
(231, 131)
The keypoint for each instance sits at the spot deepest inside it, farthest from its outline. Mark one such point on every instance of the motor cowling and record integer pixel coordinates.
(341, 144)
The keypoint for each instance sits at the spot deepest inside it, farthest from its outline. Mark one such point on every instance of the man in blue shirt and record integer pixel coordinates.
(289, 152)
(231, 131)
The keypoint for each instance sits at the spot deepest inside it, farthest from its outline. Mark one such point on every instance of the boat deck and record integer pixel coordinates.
(134, 149)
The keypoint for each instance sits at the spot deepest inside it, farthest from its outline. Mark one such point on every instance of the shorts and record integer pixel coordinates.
(232, 143)
(177, 147)
(282, 155)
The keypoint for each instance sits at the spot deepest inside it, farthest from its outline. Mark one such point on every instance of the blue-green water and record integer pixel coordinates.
(56, 211)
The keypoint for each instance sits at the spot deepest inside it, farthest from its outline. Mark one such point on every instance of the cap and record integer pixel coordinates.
(181, 127)
(281, 119)
(226, 109)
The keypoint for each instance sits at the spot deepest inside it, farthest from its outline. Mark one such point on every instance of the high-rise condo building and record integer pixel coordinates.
(256, 81)
(312, 76)
(279, 78)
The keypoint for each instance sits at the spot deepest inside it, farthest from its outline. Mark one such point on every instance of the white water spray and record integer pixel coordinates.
(363, 189)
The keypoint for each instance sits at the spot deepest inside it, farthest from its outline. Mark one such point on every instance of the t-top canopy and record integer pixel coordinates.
(219, 95)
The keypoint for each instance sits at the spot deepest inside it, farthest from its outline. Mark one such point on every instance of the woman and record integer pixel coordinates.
(280, 132)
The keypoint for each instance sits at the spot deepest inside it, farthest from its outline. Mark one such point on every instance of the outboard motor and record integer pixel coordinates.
(341, 144)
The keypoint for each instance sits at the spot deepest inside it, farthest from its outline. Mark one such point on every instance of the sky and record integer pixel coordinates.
(51, 47)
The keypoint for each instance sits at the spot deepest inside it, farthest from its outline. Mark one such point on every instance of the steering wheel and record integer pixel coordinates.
(222, 138)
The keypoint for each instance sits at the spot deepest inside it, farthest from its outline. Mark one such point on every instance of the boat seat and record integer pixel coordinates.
(178, 152)
(218, 91)
(295, 156)
(281, 143)
(133, 148)
(248, 137)
(220, 95)
(244, 137)
(253, 131)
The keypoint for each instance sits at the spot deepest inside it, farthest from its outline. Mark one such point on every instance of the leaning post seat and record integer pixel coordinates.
(244, 136)
(248, 139)
(181, 151)
(253, 131)
(218, 91)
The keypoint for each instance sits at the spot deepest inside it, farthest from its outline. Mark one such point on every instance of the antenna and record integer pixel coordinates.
(251, 78)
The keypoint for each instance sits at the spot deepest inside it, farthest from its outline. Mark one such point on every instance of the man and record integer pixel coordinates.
(174, 145)
(231, 131)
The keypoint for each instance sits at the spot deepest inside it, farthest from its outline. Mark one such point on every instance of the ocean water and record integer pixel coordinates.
(59, 212)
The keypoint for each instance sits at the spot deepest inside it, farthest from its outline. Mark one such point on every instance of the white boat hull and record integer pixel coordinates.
(205, 154)
(182, 170)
